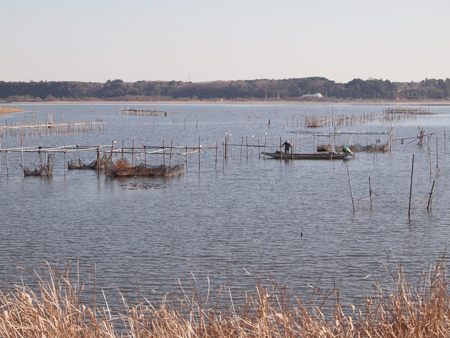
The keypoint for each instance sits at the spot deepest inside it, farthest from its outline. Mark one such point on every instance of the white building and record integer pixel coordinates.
(314, 96)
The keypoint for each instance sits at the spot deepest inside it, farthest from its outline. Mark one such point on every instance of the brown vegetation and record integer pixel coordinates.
(62, 308)
(8, 110)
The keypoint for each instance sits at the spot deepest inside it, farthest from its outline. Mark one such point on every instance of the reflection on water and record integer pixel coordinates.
(294, 218)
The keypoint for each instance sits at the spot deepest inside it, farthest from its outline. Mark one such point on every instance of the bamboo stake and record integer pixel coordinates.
(21, 145)
(351, 189)
(370, 193)
(430, 199)
(132, 155)
(217, 150)
(170, 159)
(259, 149)
(98, 160)
(437, 157)
(164, 154)
(242, 144)
(246, 144)
(223, 155)
(112, 148)
(186, 158)
(199, 149)
(431, 170)
(7, 164)
(281, 153)
(265, 143)
(411, 188)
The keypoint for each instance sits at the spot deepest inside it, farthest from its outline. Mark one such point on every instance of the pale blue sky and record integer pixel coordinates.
(167, 40)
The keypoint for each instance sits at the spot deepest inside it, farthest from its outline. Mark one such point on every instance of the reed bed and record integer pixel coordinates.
(9, 110)
(62, 307)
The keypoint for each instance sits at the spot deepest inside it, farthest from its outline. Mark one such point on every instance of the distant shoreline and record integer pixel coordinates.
(317, 101)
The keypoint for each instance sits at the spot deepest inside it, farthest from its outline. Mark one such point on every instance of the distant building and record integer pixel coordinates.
(314, 96)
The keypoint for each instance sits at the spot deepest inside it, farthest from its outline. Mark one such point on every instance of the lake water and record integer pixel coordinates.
(292, 219)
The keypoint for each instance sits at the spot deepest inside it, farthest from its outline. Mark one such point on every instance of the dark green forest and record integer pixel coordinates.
(257, 90)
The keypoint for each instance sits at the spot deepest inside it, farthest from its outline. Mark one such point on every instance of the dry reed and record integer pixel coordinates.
(62, 308)
(9, 110)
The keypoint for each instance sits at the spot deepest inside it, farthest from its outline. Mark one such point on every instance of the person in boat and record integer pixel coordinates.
(287, 147)
(346, 150)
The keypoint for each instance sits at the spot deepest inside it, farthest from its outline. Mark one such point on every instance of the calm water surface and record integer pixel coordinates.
(292, 219)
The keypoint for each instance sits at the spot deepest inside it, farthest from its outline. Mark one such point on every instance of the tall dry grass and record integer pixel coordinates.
(8, 110)
(63, 308)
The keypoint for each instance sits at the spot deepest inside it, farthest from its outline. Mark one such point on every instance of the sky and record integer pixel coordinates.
(209, 40)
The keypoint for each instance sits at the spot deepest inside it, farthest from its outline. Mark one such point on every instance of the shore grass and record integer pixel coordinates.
(9, 110)
(62, 308)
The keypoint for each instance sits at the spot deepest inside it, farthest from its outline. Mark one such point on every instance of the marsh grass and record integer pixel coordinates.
(61, 306)
(9, 110)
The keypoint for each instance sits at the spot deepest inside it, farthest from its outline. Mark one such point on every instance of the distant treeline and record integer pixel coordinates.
(286, 89)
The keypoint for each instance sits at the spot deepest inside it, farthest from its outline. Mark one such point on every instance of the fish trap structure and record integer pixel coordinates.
(371, 148)
(143, 112)
(122, 168)
(50, 128)
(42, 170)
(339, 121)
(79, 164)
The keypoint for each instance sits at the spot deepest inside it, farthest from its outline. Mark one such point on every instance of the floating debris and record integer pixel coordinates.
(146, 186)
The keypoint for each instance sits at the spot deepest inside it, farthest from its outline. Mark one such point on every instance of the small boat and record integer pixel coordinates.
(331, 155)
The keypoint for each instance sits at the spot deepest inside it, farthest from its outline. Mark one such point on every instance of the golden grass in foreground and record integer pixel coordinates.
(62, 308)
(8, 110)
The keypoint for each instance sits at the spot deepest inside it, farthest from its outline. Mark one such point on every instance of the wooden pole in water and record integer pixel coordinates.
(112, 148)
(123, 144)
(98, 160)
(437, 157)
(223, 155)
(370, 193)
(281, 153)
(411, 188)
(217, 150)
(21, 145)
(170, 158)
(132, 154)
(145, 156)
(186, 158)
(7, 164)
(351, 189)
(225, 146)
(259, 149)
(430, 200)
(164, 154)
(265, 144)
(246, 144)
(199, 149)
(431, 170)
(242, 144)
